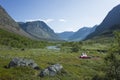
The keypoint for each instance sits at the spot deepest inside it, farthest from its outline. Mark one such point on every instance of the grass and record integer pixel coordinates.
(74, 67)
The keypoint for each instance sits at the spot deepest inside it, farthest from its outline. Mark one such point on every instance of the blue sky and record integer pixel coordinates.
(60, 15)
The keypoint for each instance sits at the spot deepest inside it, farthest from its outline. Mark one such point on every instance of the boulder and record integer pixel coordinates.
(51, 70)
(23, 62)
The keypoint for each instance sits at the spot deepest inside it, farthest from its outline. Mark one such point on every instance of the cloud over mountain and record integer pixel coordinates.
(44, 20)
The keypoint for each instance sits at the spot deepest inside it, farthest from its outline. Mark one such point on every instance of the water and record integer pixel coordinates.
(53, 48)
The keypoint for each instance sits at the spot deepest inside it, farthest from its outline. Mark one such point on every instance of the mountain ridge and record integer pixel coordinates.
(38, 29)
(65, 35)
(112, 19)
(82, 33)
(7, 23)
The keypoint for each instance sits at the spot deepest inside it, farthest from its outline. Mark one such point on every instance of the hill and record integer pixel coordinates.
(39, 30)
(8, 24)
(10, 40)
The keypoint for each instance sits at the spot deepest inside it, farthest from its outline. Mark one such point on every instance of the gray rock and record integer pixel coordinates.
(45, 72)
(58, 67)
(23, 62)
(14, 63)
(51, 70)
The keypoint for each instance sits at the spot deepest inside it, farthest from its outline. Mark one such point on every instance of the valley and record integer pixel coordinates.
(74, 67)
(32, 50)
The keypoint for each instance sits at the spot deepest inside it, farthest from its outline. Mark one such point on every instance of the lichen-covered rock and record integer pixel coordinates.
(23, 62)
(51, 70)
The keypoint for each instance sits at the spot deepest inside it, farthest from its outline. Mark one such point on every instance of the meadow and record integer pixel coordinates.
(74, 68)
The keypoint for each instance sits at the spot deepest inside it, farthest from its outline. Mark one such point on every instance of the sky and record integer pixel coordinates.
(60, 15)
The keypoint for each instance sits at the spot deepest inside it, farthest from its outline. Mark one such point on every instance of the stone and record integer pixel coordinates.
(44, 72)
(22, 63)
(58, 67)
(51, 70)
(13, 63)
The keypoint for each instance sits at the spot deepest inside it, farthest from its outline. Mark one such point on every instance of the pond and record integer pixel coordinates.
(53, 47)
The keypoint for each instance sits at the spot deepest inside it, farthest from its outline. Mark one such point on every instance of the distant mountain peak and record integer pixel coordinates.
(82, 33)
(65, 35)
(39, 29)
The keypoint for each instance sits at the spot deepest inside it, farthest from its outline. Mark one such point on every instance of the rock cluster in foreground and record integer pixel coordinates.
(23, 62)
(49, 71)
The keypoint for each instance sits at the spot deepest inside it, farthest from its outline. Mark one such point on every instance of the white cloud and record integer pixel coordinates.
(30, 20)
(62, 20)
(45, 20)
(49, 20)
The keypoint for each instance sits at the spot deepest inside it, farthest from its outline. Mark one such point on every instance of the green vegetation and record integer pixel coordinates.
(113, 60)
(71, 46)
(112, 68)
(74, 67)
(16, 41)
(99, 67)
(103, 49)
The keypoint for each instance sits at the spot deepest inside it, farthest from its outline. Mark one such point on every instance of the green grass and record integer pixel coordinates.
(14, 40)
(74, 67)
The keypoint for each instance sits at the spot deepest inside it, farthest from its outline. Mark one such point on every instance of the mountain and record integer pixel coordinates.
(112, 20)
(10, 40)
(65, 35)
(38, 29)
(8, 24)
(11, 35)
(82, 33)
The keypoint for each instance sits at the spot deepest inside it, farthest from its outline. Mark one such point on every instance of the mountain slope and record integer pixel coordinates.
(7, 23)
(65, 35)
(112, 19)
(82, 33)
(38, 29)
(10, 39)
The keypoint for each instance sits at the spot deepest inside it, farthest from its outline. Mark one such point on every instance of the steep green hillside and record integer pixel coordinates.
(14, 40)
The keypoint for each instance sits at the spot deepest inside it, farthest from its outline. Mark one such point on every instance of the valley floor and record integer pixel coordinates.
(74, 67)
